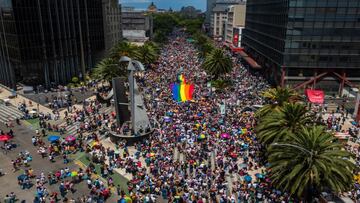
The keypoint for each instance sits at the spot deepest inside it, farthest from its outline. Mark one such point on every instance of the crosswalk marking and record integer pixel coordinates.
(72, 128)
(8, 113)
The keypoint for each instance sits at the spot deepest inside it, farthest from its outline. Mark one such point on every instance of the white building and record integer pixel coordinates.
(218, 22)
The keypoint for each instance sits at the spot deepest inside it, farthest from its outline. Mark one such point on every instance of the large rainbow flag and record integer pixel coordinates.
(181, 91)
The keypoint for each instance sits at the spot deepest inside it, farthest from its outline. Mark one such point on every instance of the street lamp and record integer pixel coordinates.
(295, 146)
(133, 65)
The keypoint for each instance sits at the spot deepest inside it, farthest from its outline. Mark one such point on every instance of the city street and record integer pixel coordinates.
(9, 183)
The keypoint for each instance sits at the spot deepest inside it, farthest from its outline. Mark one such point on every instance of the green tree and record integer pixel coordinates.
(205, 49)
(217, 63)
(107, 69)
(278, 98)
(309, 162)
(146, 54)
(123, 48)
(278, 125)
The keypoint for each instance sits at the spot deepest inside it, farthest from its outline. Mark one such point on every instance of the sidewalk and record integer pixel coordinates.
(4, 94)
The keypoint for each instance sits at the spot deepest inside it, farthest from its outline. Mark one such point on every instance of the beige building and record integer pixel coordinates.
(235, 23)
(218, 22)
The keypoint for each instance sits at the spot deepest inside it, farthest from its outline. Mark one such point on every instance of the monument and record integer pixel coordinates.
(129, 107)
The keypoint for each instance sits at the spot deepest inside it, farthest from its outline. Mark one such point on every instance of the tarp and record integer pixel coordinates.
(315, 96)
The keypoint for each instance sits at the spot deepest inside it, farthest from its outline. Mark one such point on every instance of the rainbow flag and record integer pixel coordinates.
(181, 78)
(182, 92)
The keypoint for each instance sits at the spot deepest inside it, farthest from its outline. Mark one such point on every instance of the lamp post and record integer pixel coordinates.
(133, 65)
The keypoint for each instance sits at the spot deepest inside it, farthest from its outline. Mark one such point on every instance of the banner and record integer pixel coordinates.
(315, 96)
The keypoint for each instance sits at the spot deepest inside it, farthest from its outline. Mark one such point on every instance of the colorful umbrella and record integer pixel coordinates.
(22, 177)
(70, 138)
(53, 138)
(5, 137)
(243, 165)
(127, 199)
(74, 173)
(202, 136)
(248, 178)
(225, 136)
(167, 119)
(244, 131)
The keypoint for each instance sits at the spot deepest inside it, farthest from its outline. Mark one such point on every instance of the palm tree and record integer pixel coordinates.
(278, 97)
(206, 49)
(309, 162)
(278, 125)
(146, 54)
(107, 69)
(217, 63)
(154, 45)
(123, 48)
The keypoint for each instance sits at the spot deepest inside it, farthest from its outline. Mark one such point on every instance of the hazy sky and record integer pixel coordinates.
(165, 4)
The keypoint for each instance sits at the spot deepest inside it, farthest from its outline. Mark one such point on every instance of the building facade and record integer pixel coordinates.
(218, 22)
(112, 23)
(49, 41)
(137, 26)
(210, 4)
(218, 18)
(235, 24)
(305, 43)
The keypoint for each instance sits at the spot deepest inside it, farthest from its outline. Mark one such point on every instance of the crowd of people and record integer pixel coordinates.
(203, 150)
(198, 152)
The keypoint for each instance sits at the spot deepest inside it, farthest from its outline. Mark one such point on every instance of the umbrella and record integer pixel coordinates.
(243, 165)
(233, 155)
(22, 177)
(126, 199)
(244, 130)
(248, 178)
(167, 119)
(202, 136)
(225, 135)
(53, 138)
(259, 175)
(74, 173)
(354, 123)
(5, 137)
(70, 138)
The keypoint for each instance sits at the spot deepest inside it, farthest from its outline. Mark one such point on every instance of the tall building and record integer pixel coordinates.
(112, 23)
(137, 26)
(218, 18)
(210, 4)
(305, 43)
(49, 41)
(235, 24)
(218, 22)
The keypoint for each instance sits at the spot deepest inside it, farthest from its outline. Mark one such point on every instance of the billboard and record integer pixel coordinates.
(236, 36)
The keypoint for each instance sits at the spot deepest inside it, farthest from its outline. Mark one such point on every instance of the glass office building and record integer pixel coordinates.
(301, 42)
(48, 41)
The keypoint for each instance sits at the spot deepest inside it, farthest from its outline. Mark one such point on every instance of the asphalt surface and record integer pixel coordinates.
(8, 182)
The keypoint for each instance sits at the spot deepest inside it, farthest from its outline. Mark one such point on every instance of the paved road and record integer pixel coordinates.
(8, 182)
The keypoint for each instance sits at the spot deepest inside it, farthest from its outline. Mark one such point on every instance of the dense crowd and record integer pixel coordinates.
(198, 152)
